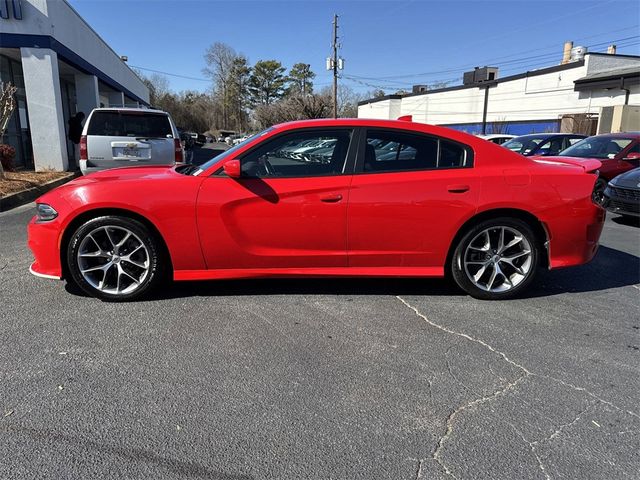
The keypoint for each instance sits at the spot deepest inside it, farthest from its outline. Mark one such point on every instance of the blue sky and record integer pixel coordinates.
(391, 44)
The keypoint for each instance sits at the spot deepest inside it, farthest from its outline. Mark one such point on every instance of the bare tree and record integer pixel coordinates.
(293, 108)
(498, 126)
(7, 106)
(221, 60)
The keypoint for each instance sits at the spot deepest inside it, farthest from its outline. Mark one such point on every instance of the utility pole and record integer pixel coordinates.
(334, 63)
(335, 66)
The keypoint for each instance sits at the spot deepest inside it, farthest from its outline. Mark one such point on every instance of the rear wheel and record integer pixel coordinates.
(496, 259)
(114, 258)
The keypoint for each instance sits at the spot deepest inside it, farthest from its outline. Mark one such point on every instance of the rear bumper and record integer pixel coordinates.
(575, 236)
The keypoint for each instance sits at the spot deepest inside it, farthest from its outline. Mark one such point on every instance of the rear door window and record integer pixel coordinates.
(125, 124)
(393, 151)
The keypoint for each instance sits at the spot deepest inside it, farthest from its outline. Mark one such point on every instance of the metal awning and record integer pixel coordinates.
(615, 78)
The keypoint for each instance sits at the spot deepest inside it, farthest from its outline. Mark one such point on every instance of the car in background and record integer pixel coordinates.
(455, 205)
(618, 153)
(497, 138)
(124, 137)
(542, 143)
(199, 139)
(622, 194)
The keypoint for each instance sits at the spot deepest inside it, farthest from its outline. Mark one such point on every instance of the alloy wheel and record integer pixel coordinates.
(498, 259)
(113, 259)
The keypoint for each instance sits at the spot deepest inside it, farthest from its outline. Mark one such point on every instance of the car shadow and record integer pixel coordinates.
(629, 221)
(610, 269)
(178, 467)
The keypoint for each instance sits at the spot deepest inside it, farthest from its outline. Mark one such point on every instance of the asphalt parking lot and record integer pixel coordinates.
(340, 379)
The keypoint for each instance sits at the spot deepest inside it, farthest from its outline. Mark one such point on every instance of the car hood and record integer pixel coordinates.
(630, 179)
(588, 164)
(127, 173)
(145, 174)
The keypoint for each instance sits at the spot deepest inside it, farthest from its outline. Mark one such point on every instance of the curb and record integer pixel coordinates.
(17, 199)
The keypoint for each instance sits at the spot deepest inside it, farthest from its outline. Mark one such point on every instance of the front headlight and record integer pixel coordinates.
(45, 213)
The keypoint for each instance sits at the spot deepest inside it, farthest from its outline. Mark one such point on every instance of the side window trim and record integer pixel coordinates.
(362, 142)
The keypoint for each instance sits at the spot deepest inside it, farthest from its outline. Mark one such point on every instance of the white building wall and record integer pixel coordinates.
(382, 110)
(537, 97)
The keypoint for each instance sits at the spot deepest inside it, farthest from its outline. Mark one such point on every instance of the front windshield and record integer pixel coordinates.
(228, 153)
(523, 145)
(597, 147)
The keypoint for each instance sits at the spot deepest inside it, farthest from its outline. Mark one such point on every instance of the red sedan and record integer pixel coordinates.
(618, 153)
(324, 198)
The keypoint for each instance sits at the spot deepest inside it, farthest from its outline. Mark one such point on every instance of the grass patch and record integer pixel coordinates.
(15, 182)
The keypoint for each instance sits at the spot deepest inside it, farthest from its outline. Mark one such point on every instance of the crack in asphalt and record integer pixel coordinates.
(532, 447)
(436, 454)
(564, 426)
(419, 472)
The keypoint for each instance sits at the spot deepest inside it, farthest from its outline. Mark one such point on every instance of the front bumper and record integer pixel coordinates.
(623, 201)
(44, 243)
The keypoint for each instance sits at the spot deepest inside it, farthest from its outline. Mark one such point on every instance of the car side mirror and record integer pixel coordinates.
(232, 168)
(632, 156)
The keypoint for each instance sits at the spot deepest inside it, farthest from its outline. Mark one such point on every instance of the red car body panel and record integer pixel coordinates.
(357, 224)
(273, 223)
(610, 167)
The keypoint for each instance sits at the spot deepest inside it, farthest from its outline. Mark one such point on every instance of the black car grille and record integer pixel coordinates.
(625, 193)
(624, 206)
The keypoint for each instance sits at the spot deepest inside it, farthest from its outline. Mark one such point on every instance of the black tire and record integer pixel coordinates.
(598, 191)
(461, 270)
(146, 264)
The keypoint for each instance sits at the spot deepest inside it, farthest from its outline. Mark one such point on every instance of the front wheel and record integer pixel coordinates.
(114, 258)
(598, 191)
(496, 259)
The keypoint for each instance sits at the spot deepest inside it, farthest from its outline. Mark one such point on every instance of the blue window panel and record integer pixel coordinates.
(519, 128)
(17, 9)
(4, 9)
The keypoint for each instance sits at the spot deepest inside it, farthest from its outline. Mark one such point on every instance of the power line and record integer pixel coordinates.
(170, 74)
(494, 60)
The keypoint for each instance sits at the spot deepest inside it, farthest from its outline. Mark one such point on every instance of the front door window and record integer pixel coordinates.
(301, 154)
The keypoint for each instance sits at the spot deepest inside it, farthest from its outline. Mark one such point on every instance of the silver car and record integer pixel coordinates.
(123, 137)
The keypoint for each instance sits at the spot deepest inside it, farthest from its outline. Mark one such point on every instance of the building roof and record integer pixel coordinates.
(616, 73)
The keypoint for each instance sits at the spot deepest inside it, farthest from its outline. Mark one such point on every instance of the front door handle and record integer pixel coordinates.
(458, 188)
(331, 198)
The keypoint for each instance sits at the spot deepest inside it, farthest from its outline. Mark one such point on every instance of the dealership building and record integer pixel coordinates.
(585, 93)
(60, 66)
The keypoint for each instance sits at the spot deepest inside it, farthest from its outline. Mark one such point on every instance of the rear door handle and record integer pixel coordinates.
(331, 198)
(458, 188)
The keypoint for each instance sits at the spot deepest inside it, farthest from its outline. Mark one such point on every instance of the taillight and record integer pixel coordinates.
(83, 147)
(178, 150)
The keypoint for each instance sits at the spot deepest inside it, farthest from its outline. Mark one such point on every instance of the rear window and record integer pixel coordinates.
(123, 124)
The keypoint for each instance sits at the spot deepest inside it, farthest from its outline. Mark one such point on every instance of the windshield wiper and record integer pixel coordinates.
(151, 138)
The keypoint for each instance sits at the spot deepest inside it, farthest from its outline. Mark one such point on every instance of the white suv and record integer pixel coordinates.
(124, 137)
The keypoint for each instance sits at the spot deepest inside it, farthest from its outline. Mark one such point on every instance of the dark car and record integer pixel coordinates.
(618, 153)
(542, 143)
(622, 195)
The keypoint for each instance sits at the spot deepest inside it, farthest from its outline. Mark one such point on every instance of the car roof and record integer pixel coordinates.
(548, 135)
(436, 130)
(129, 109)
(619, 135)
